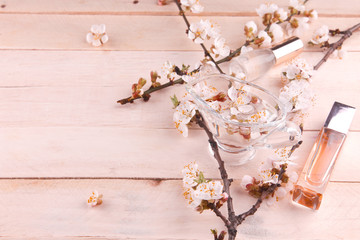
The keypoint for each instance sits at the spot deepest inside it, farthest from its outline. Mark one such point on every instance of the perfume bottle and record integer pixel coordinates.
(313, 179)
(256, 63)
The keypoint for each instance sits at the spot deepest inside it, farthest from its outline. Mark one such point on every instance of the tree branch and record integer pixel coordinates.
(227, 182)
(219, 214)
(346, 34)
(240, 218)
(206, 52)
(146, 94)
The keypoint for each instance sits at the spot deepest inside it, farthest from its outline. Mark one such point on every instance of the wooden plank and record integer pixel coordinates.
(212, 7)
(156, 210)
(71, 88)
(162, 33)
(133, 153)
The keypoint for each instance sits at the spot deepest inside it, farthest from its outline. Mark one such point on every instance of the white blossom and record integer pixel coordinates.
(193, 5)
(313, 15)
(297, 26)
(203, 30)
(209, 190)
(204, 91)
(266, 8)
(265, 171)
(211, 29)
(339, 53)
(95, 199)
(282, 14)
(168, 71)
(277, 32)
(184, 112)
(297, 95)
(197, 32)
(321, 35)
(190, 174)
(220, 47)
(250, 29)
(266, 39)
(298, 5)
(189, 195)
(97, 35)
(245, 181)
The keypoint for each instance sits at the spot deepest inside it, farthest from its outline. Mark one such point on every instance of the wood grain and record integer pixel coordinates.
(332, 8)
(133, 153)
(43, 88)
(128, 33)
(138, 209)
(62, 135)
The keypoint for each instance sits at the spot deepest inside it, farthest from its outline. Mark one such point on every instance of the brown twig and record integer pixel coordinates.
(233, 54)
(233, 221)
(206, 52)
(346, 34)
(240, 218)
(224, 176)
(146, 94)
(219, 214)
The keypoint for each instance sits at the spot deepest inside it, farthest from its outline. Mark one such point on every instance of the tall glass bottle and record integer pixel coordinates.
(256, 63)
(314, 178)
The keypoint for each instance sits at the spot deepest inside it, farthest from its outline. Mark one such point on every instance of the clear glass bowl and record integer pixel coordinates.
(265, 127)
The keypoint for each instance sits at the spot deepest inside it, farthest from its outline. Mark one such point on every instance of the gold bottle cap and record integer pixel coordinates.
(288, 49)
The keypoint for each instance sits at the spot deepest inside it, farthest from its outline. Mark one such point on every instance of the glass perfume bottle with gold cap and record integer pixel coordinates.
(256, 63)
(314, 178)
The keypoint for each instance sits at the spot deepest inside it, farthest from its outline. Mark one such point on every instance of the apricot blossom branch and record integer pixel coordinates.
(206, 52)
(233, 220)
(240, 218)
(337, 45)
(146, 95)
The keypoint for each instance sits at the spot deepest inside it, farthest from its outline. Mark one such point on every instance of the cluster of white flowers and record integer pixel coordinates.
(297, 94)
(267, 174)
(192, 5)
(297, 26)
(279, 23)
(204, 30)
(297, 69)
(97, 35)
(183, 114)
(321, 37)
(197, 189)
(339, 53)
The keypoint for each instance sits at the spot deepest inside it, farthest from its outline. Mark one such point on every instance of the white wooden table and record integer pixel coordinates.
(62, 134)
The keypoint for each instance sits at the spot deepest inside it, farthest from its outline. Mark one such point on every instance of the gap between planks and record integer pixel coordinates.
(168, 14)
(126, 178)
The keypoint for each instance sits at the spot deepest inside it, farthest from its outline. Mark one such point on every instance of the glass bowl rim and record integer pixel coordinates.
(282, 117)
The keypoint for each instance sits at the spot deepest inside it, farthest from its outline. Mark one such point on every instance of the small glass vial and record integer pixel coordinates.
(313, 179)
(256, 63)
